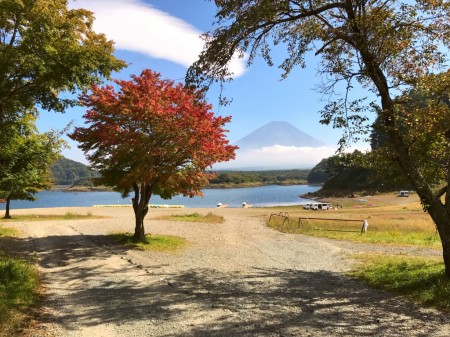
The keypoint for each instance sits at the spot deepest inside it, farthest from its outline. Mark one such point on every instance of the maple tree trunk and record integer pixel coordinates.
(139, 230)
(8, 202)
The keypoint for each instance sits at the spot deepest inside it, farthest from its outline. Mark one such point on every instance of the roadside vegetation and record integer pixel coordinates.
(19, 290)
(195, 217)
(19, 282)
(159, 243)
(421, 279)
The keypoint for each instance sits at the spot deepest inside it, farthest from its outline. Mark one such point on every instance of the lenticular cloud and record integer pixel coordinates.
(139, 27)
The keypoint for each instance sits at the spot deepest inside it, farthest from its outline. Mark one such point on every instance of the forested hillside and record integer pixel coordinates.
(70, 172)
(321, 172)
(344, 174)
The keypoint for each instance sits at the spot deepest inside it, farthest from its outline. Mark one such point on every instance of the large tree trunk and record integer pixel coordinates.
(139, 230)
(446, 251)
(441, 218)
(140, 206)
(8, 203)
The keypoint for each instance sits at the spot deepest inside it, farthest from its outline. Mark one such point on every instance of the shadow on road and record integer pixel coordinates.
(208, 302)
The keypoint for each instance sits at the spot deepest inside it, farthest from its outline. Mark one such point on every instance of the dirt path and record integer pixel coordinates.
(238, 278)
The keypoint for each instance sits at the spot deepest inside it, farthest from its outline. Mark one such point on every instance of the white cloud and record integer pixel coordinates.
(278, 157)
(282, 157)
(138, 27)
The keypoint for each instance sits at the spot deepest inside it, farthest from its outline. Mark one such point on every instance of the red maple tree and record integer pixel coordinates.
(151, 137)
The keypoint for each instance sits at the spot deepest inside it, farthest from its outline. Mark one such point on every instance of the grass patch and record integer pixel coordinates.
(46, 217)
(5, 231)
(159, 243)
(196, 217)
(19, 282)
(418, 278)
(387, 225)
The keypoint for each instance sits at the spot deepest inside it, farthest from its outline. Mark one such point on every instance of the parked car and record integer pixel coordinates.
(318, 205)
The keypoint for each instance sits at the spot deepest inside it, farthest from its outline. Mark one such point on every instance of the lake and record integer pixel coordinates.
(273, 195)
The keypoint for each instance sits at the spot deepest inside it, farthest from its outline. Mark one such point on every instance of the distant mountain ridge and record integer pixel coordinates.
(277, 133)
(69, 172)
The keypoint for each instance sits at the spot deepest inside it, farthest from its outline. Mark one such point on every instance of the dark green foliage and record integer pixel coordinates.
(320, 173)
(45, 49)
(25, 159)
(70, 172)
(358, 172)
(352, 179)
(249, 178)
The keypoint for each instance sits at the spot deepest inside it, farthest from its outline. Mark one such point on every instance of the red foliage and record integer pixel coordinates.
(152, 132)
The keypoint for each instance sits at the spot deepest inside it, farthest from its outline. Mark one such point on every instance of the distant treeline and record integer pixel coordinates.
(259, 178)
(336, 173)
(69, 172)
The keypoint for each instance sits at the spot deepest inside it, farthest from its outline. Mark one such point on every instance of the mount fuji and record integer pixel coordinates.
(277, 145)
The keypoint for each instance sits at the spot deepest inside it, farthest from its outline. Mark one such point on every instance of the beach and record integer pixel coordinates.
(236, 278)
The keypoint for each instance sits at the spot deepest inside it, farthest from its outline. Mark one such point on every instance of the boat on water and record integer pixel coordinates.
(2, 201)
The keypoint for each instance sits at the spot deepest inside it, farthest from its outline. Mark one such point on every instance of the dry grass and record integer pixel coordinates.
(195, 217)
(392, 220)
(50, 217)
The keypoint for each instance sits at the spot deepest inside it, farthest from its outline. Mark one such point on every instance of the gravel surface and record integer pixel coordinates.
(239, 278)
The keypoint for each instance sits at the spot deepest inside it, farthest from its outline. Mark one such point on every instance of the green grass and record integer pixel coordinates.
(19, 282)
(196, 217)
(46, 217)
(159, 243)
(418, 278)
(5, 231)
(393, 234)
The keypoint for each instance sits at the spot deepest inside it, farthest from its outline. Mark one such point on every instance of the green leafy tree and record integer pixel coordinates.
(152, 137)
(46, 49)
(386, 47)
(26, 160)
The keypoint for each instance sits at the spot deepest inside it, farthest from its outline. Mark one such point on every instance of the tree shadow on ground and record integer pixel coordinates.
(208, 302)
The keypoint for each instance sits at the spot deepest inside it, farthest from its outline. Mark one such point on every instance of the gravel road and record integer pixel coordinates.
(238, 278)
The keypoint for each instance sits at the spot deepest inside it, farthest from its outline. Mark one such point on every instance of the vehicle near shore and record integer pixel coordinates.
(403, 194)
(318, 205)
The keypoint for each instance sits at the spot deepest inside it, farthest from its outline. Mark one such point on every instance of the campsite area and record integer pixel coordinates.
(239, 277)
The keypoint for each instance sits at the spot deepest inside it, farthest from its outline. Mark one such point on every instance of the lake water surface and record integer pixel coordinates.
(273, 195)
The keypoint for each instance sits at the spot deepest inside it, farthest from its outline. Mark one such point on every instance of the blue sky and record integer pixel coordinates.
(163, 35)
